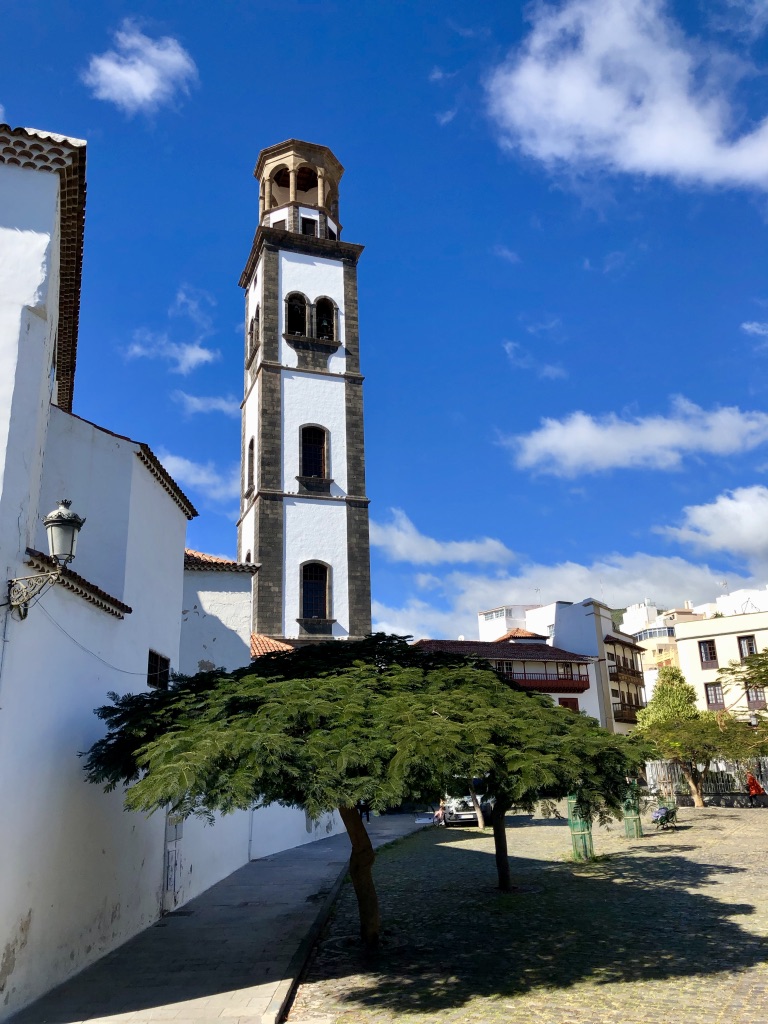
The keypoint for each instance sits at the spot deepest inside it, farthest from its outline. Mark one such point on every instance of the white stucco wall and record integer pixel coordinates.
(314, 277)
(275, 828)
(315, 530)
(215, 621)
(80, 875)
(29, 288)
(95, 470)
(309, 399)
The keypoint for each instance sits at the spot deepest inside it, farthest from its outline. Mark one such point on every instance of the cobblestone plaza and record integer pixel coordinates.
(671, 927)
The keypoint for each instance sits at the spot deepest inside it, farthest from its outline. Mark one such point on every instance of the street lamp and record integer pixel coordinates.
(62, 527)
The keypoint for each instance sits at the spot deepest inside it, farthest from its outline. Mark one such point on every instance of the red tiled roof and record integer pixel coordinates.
(79, 585)
(517, 632)
(215, 563)
(261, 644)
(498, 651)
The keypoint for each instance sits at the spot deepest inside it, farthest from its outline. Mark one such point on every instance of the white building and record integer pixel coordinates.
(706, 646)
(78, 874)
(494, 622)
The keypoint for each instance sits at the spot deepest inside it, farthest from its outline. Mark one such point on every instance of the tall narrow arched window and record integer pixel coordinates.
(326, 319)
(313, 452)
(256, 325)
(249, 478)
(296, 315)
(314, 591)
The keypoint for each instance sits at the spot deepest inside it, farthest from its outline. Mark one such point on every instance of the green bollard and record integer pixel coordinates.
(581, 833)
(633, 827)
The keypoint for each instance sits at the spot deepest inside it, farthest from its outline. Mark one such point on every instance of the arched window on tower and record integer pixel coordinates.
(313, 452)
(250, 469)
(296, 314)
(325, 313)
(314, 591)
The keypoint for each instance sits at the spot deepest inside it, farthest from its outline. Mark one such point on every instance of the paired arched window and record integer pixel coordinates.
(315, 598)
(310, 320)
(296, 315)
(251, 460)
(314, 452)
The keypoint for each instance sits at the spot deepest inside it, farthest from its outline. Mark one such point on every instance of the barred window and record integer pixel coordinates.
(158, 671)
(314, 591)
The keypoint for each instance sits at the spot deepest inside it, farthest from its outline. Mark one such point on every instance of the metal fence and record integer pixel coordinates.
(667, 779)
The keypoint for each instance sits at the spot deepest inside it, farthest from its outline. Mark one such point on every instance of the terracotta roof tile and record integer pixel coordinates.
(261, 644)
(79, 585)
(518, 633)
(498, 651)
(198, 560)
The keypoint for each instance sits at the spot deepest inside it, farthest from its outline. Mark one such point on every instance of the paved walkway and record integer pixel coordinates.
(232, 955)
(668, 929)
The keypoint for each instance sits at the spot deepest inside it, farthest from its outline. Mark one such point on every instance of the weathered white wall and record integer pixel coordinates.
(80, 875)
(309, 399)
(29, 289)
(315, 530)
(275, 828)
(92, 467)
(215, 621)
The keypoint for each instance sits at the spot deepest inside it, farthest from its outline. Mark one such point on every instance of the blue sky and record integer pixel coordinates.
(564, 305)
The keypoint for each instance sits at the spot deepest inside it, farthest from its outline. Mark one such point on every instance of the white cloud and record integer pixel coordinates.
(438, 75)
(140, 73)
(522, 359)
(402, 542)
(184, 357)
(616, 85)
(195, 304)
(193, 404)
(734, 522)
(616, 579)
(505, 253)
(2, 114)
(582, 443)
(758, 329)
(203, 477)
(445, 117)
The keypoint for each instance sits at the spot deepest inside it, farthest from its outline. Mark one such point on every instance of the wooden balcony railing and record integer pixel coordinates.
(626, 712)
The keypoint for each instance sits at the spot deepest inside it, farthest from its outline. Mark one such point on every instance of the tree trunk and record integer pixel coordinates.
(500, 842)
(360, 871)
(695, 781)
(476, 805)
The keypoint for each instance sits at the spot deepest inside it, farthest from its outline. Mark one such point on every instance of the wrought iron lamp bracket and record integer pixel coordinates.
(22, 590)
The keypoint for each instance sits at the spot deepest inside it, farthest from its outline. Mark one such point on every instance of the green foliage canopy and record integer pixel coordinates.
(327, 726)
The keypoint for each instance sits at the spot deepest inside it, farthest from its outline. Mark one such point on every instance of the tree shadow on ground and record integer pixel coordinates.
(450, 939)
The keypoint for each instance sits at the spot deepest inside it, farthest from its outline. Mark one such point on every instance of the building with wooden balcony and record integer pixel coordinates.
(525, 660)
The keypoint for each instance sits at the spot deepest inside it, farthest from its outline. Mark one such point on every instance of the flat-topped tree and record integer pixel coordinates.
(325, 727)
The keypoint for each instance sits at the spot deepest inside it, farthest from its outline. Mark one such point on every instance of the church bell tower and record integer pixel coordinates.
(303, 511)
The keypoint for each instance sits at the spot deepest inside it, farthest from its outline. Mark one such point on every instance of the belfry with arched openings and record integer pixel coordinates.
(304, 511)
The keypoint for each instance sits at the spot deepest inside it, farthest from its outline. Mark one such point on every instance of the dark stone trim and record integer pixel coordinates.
(353, 399)
(270, 305)
(270, 439)
(316, 627)
(351, 318)
(312, 353)
(273, 239)
(358, 568)
(314, 485)
(268, 552)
